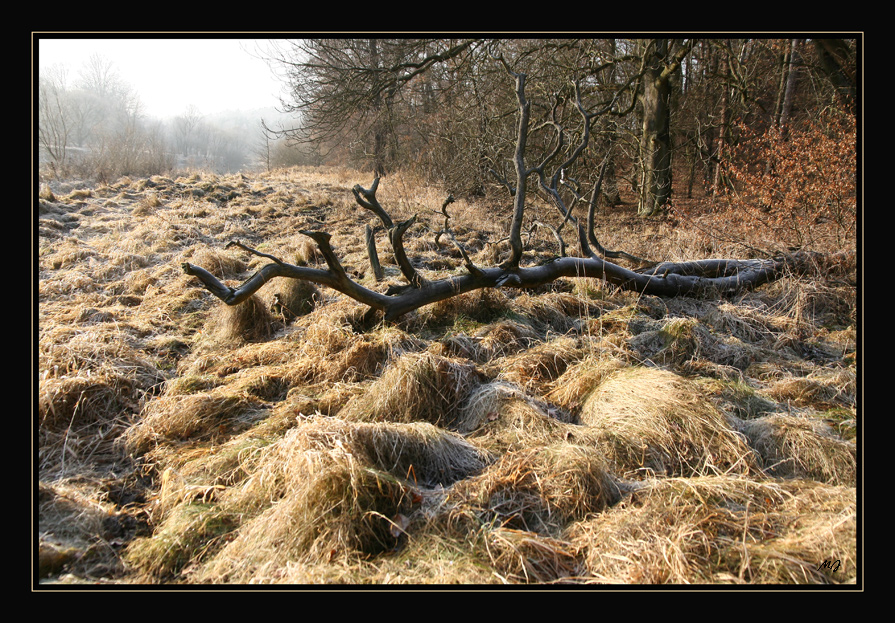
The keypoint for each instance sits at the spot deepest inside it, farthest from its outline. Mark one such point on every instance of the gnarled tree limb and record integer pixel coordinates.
(731, 276)
(696, 278)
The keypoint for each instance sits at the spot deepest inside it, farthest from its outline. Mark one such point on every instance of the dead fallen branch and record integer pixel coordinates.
(694, 278)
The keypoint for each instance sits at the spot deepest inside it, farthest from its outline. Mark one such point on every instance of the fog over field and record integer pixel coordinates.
(193, 102)
(171, 74)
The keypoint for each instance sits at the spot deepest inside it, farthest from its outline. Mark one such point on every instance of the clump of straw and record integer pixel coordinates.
(721, 529)
(417, 387)
(538, 366)
(501, 416)
(651, 421)
(198, 416)
(801, 447)
(248, 321)
(342, 490)
(537, 489)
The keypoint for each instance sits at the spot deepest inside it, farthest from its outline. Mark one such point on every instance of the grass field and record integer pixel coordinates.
(577, 434)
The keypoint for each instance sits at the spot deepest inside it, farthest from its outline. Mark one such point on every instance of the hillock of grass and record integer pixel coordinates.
(577, 434)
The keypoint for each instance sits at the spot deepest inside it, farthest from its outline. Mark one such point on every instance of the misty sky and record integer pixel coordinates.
(171, 74)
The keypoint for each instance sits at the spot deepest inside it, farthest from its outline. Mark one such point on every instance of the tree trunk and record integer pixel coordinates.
(792, 77)
(611, 195)
(372, 255)
(380, 137)
(718, 181)
(837, 60)
(655, 144)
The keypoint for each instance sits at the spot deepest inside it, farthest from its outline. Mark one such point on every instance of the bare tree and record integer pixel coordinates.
(788, 86)
(55, 119)
(344, 90)
(102, 115)
(661, 59)
(695, 278)
(262, 150)
(100, 76)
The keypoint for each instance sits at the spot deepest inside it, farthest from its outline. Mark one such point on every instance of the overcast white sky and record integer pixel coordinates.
(213, 74)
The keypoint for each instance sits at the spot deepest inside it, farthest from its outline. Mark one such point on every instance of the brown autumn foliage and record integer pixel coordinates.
(791, 180)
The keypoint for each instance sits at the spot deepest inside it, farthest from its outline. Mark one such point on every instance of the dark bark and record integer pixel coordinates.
(732, 276)
(789, 88)
(838, 62)
(370, 239)
(662, 59)
(697, 278)
(717, 183)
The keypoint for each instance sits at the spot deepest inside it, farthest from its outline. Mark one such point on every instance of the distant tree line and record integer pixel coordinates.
(705, 110)
(93, 124)
(447, 108)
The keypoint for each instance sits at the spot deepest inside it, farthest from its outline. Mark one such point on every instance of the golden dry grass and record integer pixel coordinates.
(332, 489)
(651, 421)
(723, 530)
(574, 434)
(802, 447)
(418, 387)
(539, 488)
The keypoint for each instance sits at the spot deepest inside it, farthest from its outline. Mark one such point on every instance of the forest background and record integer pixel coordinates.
(705, 110)
(575, 432)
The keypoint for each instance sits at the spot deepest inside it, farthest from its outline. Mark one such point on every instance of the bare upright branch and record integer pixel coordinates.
(366, 198)
(667, 279)
(521, 171)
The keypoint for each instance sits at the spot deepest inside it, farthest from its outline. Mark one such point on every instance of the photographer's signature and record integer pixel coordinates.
(832, 565)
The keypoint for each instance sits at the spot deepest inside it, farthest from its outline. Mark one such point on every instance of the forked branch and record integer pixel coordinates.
(697, 278)
(690, 278)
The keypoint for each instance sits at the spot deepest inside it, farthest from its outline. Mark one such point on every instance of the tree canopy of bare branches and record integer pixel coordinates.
(694, 278)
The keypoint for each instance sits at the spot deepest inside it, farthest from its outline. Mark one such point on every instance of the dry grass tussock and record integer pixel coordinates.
(538, 489)
(423, 387)
(723, 530)
(651, 421)
(572, 434)
(800, 447)
(330, 490)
